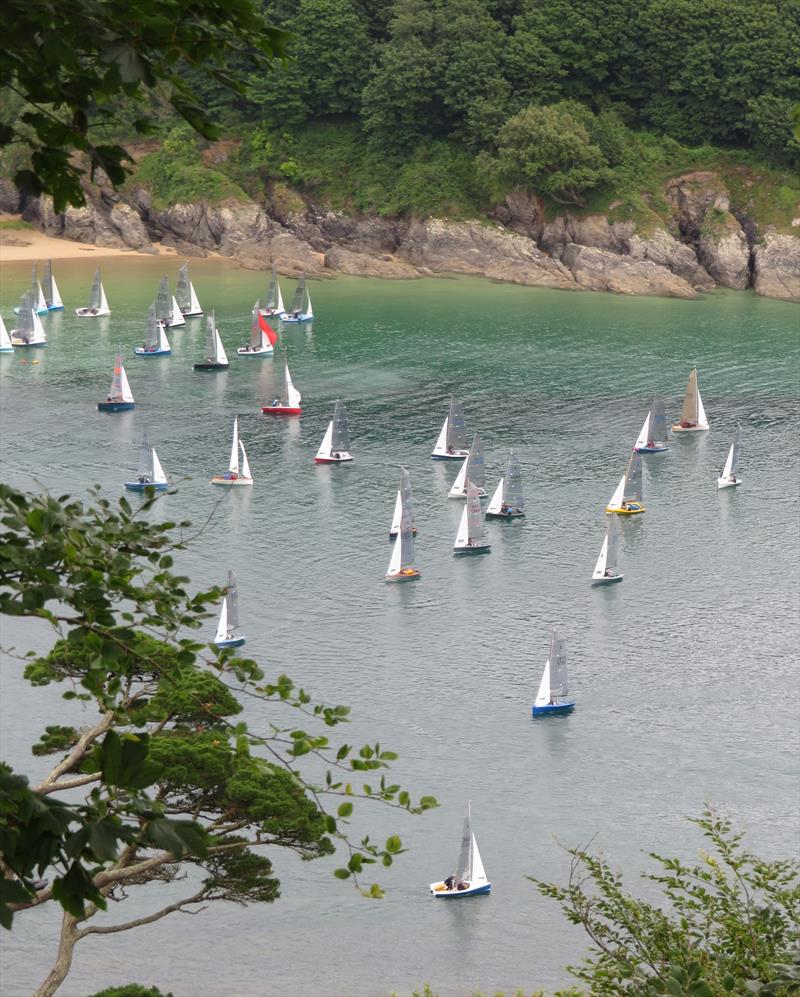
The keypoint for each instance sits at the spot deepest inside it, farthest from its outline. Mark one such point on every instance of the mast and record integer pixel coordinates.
(406, 499)
(456, 429)
(476, 463)
(475, 531)
(559, 685)
(406, 541)
(255, 328)
(272, 291)
(183, 293)
(152, 339)
(163, 301)
(94, 294)
(512, 484)
(299, 294)
(340, 441)
(463, 872)
(633, 479)
(690, 408)
(47, 283)
(612, 545)
(146, 469)
(232, 598)
(659, 431)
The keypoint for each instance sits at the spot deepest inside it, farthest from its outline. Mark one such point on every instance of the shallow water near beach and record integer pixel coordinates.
(685, 675)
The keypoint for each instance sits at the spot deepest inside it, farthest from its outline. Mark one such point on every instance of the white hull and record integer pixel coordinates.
(259, 351)
(727, 483)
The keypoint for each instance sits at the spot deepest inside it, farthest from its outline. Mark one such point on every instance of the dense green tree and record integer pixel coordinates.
(167, 775)
(72, 61)
(769, 124)
(550, 151)
(727, 924)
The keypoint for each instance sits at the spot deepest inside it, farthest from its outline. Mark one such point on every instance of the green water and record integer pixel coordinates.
(685, 674)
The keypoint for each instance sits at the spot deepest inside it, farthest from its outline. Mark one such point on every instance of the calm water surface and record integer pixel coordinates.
(685, 674)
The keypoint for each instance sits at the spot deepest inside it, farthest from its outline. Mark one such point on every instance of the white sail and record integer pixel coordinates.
(462, 536)
(222, 626)
(279, 308)
(245, 465)
(459, 489)
(38, 330)
(441, 443)
(233, 465)
(543, 695)
(158, 471)
(40, 303)
(325, 446)
(600, 567)
(641, 439)
(221, 355)
(5, 339)
(729, 472)
(702, 421)
(615, 502)
(309, 310)
(293, 396)
(496, 501)
(396, 558)
(177, 314)
(163, 342)
(398, 514)
(103, 308)
(125, 388)
(478, 876)
(194, 304)
(56, 301)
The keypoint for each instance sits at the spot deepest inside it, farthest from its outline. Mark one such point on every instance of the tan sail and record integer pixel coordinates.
(690, 407)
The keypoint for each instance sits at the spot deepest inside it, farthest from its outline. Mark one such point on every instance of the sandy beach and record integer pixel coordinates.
(18, 245)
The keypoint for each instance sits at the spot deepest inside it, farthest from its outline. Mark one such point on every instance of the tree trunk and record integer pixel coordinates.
(66, 946)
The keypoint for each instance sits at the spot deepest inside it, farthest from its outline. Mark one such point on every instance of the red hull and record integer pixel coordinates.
(280, 410)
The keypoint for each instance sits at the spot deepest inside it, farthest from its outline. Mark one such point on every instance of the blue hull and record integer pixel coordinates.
(137, 486)
(507, 516)
(234, 642)
(152, 353)
(56, 308)
(27, 346)
(651, 449)
(301, 318)
(115, 406)
(460, 894)
(557, 709)
(473, 550)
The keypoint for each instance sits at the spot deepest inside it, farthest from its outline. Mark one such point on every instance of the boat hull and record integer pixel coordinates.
(6, 349)
(637, 508)
(678, 428)
(55, 308)
(289, 320)
(243, 352)
(333, 460)
(192, 314)
(233, 642)
(115, 406)
(473, 550)
(91, 313)
(727, 483)
(455, 455)
(556, 709)
(219, 479)
(504, 515)
(403, 576)
(440, 891)
(139, 486)
(211, 365)
(20, 345)
(482, 493)
(607, 580)
(139, 352)
(281, 410)
(655, 449)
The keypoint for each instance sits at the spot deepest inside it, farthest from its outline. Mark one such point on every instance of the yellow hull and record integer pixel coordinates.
(625, 512)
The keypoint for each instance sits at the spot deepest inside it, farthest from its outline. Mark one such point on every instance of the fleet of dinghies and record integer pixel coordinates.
(507, 502)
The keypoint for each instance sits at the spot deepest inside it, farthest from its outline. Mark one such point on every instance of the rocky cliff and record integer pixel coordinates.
(702, 243)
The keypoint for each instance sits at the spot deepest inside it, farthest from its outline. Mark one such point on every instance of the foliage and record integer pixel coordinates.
(131, 990)
(168, 773)
(549, 150)
(726, 924)
(70, 65)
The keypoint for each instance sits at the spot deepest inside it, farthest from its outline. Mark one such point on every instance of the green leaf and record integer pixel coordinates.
(341, 873)
(345, 809)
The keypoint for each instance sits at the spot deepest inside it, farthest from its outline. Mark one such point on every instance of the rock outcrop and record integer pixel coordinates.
(665, 250)
(723, 250)
(776, 267)
(599, 270)
(343, 260)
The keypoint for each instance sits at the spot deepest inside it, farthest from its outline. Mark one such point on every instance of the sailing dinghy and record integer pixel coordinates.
(401, 564)
(120, 396)
(216, 358)
(6, 346)
(729, 478)
(150, 473)
(627, 497)
(156, 343)
(469, 879)
(185, 295)
(289, 401)
(452, 441)
(508, 502)
(301, 310)
(605, 570)
(473, 469)
(29, 330)
(693, 414)
(51, 293)
(98, 305)
(654, 433)
(471, 537)
(235, 476)
(403, 502)
(38, 299)
(273, 303)
(553, 694)
(262, 337)
(167, 310)
(228, 626)
(335, 446)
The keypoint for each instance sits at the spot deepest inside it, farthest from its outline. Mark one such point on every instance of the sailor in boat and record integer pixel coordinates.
(631, 506)
(275, 403)
(144, 480)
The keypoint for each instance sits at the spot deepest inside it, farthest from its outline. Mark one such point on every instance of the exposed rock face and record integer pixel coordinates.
(599, 270)
(690, 196)
(10, 197)
(725, 254)
(343, 260)
(776, 267)
(222, 227)
(594, 230)
(475, 248)
(291, 253)
(665, 250)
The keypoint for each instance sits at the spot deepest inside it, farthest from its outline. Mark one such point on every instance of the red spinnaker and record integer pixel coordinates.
(272, 336)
